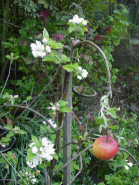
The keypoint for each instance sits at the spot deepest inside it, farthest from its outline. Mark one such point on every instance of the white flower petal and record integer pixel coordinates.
(130, 164)
(48, 49)
(38, 49)
(34, 149)
(77, 20)
(126, 167)
(45, 41)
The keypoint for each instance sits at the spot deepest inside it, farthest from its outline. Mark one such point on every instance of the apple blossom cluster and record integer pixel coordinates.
(40, 49)
(54, 107)
(28, 176)
(44, 151)
(82, 73)
(77, 20)
(51, 122)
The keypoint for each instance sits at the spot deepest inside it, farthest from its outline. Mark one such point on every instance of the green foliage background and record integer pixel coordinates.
(39, 84)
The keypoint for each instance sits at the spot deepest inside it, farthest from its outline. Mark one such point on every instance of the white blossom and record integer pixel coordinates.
(77, 20)
(52, 123)
(16, 96)
(29, 176)
(44, 122)
(45, 141)
(31, 144)
(45, 41)
(84, 22)
(33, 180)
(34, 149)
(129, 165)
(54, 107)
(43, 152)
(48, 49)
(82, 73)
(47, 151)
(34, 162)
(79, 77)
(38, 49)
(126, 167)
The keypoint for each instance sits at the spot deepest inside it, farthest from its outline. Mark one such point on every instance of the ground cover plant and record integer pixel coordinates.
(69, 113)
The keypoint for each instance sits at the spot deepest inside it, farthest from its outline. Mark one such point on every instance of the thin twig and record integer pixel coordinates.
(7, 180)
(12, 24)
(32, 110)
(77, 119)
(74, 158)
(125, 150)
(7, 77)
(80, 170)
(40, 93)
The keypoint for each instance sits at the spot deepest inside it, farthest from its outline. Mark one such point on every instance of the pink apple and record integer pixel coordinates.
(105, 147)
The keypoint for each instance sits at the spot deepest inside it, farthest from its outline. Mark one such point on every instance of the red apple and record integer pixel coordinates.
(105, 147)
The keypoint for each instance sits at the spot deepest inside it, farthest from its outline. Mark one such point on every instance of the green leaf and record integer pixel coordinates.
(71, 67)
(114, 127)
(52, 58)
(113, 112)
(57, 58)
(64, 107)
(76, 166)
(71, 29)
(45, 34)
(30, 155)
(100, 121)
(44, 3)
(63, 103)
(79, 29)
(64, 58)
(17, 130)
(55, 45)
(34, 139)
